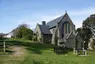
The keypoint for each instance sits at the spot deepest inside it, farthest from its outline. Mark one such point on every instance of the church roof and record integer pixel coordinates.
(44, 29)
(54, 22)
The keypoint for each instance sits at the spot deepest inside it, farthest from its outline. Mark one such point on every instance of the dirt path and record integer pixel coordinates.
(18, 55)
(17, 50)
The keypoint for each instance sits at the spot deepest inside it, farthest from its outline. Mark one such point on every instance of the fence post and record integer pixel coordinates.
(4, 45)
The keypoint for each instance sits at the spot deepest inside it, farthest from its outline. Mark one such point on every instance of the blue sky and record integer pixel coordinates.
(31, 12)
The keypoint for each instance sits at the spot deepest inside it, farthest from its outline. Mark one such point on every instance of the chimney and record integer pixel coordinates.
(43, 22)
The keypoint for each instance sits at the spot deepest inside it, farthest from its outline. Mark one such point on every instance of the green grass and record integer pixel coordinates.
(36, 53)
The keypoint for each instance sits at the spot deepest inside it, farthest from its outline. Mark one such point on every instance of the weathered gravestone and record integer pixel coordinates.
(79, 46)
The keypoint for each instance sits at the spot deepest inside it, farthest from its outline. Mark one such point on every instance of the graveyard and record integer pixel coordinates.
(27, 52)
(49, 45)
(47, 32)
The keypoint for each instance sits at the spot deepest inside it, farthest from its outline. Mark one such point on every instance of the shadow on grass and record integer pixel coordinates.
(7, 52)
(35, 51)
(34, 47)
(38, 47)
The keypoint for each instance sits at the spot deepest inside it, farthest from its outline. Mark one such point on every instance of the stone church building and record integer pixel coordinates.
(57, 31)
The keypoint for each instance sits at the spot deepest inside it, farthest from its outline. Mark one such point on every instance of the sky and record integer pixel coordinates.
(31, 12)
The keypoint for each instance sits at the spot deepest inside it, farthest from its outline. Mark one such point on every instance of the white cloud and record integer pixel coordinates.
(77, 16)
(48, 18)
(86, 11)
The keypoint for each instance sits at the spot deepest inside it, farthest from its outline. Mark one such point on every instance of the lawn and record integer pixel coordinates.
(27, 52)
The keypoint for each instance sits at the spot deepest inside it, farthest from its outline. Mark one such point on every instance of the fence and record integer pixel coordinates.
(3, 46)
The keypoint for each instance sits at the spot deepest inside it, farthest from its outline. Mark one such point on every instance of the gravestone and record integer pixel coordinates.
(79, 46)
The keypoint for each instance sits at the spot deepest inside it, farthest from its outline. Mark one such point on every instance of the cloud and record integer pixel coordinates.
(77, 16)
(85, 11)
(48, 18)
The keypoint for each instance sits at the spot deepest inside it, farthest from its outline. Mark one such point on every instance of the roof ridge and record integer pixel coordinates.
(56, 18)
(64, 16)
(54, 22)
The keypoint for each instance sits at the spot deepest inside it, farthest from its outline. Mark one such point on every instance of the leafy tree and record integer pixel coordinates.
(89, 21)
(34, 37)
(23, 31)
(27, 34)
(85, 31)
(18, 30)
(86, 34)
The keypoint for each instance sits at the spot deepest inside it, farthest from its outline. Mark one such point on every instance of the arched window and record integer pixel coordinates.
(68, 28)
(65, 28)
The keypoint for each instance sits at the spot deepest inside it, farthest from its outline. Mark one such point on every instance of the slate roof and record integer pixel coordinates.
(54, 22)
(44, 29)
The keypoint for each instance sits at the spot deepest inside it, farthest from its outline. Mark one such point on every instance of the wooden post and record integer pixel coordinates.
(4, 45)
(74, 51)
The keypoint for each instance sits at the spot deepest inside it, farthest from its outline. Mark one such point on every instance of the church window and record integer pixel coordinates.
(68, 28)
(65, 28)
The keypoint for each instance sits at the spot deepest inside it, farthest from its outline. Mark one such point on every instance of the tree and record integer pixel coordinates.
(2, 35)
(16, 30)
(27, 34)
(22, 31)
(86, 34)
(89, 21)
(34, 37)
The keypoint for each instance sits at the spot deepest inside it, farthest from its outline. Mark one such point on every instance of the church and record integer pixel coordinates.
(57, 31)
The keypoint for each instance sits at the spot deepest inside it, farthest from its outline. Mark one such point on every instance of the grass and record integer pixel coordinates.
(36, 53)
